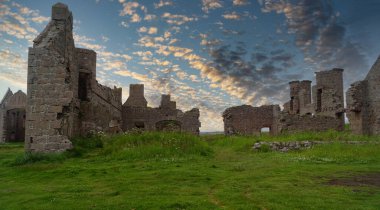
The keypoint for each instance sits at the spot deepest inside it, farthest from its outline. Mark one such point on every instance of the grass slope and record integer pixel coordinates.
(179, 171)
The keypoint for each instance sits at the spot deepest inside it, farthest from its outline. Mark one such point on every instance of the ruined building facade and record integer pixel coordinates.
(12, 116)
(363, 103)
(65, 100)
(137, 115)
(316, 108)
(248, 120)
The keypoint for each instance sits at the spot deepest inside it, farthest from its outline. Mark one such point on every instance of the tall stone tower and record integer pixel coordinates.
(52, 102)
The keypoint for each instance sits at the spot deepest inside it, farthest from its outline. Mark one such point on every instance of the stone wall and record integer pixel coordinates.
(52, 105)
(64, 98)
(326, 109)
(363, 103)
(137, 115)
(249, 120)
(329, 95)
(300, 113)
(296, 123)
(12, 117)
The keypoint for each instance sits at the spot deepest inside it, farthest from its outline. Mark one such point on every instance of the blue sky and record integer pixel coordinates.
(209, 54)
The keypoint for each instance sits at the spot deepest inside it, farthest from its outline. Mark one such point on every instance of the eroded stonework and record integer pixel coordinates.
(363, 103)
(248, 120)
(137, 115)
(300, 113)
(324, 112)
(12, 117)
(64, 99)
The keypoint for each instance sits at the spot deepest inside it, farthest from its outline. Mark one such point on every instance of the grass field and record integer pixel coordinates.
(178, 171)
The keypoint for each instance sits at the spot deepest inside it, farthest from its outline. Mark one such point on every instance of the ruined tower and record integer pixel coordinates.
(51, 104)
(63, 98)
(328, 94)
(300, 98)
(136, 96)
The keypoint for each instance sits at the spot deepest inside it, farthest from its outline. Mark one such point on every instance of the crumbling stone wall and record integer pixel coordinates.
(325, 111)
(363, 103)
(100, 106)
(249, 120)
(12, 117)
(300, 113)
(64, 99)
(137, 115)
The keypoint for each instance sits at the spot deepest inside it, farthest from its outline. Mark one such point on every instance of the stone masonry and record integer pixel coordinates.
(325, 111)
(300, 113)
(64, 98)
(137, 115)
(248, 120)
(363, 103)
(12, 117)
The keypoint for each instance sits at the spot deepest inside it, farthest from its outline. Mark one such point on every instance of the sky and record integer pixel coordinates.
(209, 54)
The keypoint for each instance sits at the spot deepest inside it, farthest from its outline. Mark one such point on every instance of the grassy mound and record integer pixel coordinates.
(154, 145)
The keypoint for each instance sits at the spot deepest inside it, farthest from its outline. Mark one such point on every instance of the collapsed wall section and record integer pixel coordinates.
(137, 115)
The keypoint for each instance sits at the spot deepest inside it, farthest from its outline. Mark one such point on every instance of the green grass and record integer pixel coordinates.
(180, 171)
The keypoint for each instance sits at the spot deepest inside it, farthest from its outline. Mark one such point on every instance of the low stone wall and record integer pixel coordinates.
(298, 145)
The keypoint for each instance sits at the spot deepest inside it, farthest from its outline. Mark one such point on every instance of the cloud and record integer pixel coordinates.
(105, 39)
(240, 2)
(162, 3)
(231, 16)
(152, 30)
(129, 8)
(210, 5)
(150, 17)
(142, 29)
(40, 19)
(135, 18)
(134, 75)
(320, 35)
(13, 67)
(177, 19)
(18, 24)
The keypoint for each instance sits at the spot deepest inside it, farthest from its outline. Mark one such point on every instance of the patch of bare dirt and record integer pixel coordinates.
(371, 180)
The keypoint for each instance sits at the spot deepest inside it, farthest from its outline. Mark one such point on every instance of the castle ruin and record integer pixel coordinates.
(65, 100)
(300, 113)
(137, 115)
